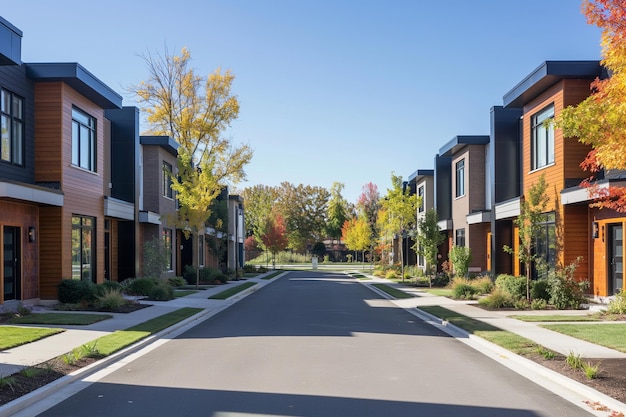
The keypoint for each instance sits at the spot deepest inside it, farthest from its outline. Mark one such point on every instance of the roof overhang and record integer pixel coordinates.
(548, 74)
(165, 142)
(77, 77)
(445, 224)
(118, 208)
(10, 44)
(149, 217)
(507, 209)
(479, 217)
(420, 175)
(31, 193)
(576, 195)
(459, 142)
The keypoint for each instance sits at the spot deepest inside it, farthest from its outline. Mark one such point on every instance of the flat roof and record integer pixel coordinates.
(421, 173)
(458, 142)
(165, 142)
(81, 80)
(10, 43)
(546, 75)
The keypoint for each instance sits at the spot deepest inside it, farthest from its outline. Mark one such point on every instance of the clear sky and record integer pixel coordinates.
(330, 90)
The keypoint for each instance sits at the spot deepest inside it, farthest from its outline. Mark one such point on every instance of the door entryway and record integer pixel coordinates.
(616, 258)
(11, 259)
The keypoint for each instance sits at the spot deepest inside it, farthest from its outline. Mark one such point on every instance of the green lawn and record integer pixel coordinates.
(58, 319)
(232, 291)
(11, 336)
(442, 292)
(395, 293)
(556, 318)
(609, 335)
(272, 275)
(183, 293)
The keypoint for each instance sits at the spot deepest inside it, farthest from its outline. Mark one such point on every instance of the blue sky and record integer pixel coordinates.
(343, 90)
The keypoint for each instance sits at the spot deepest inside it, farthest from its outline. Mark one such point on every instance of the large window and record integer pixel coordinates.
(11, 128)
(460, 178)
(167, 180)
(460, 237)
(545, 244)
(420, 194)
(83, 248)
(542, 145)
(83, 140)
(167, 247)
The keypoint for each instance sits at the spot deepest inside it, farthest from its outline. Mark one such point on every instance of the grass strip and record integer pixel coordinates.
(441, 292)
(555, 318)
(394, 292)
(510, 341)
(607, 335)
(183, 293)
(11, 336)
(232, 291)
(111, 343)
(57, 319)
(272, 275)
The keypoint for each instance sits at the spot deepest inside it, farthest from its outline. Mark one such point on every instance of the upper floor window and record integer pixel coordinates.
(460, 178)
(83, 140)
(167, 180)
(460, 237)
(11, 128)
(542, 138)
(420, 194)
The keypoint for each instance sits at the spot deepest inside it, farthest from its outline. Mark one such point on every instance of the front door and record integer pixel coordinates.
(616, 257)
(11, 260)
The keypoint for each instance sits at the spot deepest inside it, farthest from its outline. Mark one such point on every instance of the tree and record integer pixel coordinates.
(402, 211)
(600, 119)
(532, 211)
(357, 235)
(368, 205)
(429, 237)
(275, 237)
(337, 211)
(259, 201)
(194, 111)
(303, 208)
(460, 257)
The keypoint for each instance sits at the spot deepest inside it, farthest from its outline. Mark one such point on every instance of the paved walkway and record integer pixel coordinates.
(13, 360)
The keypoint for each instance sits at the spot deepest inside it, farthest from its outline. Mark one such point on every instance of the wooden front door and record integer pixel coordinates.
(11, 255)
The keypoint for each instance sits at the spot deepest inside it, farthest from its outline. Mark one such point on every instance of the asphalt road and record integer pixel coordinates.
(313, 344)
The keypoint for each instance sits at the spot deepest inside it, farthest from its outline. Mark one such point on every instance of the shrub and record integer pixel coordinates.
(111, 299)
(498, 298)
(210, 275)
(462, 289)
(538, 304)
(460, 257)
(515, 286)
(189, 274)
(441, 280)
(100, 289)
(391, 274)
(540, 290)
(176, 281)
(618, 304)
(318, 249)
(483, 285)
(74, 291)
(162, 291)
(565, 291)
(139, 286)
(521, 304)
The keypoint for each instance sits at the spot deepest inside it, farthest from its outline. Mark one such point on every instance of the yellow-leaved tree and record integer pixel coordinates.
(194, 111)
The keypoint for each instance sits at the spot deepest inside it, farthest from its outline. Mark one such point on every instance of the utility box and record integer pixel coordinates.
(314, 261)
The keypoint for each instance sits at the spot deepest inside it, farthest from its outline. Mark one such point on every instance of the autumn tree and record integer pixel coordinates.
(368, 205)
(600, 120)
(337, 211)
(429, 237)
(194, 111)
(357, 236)
(259, 201)
(401, 207)
(532, 212)
(275, 236)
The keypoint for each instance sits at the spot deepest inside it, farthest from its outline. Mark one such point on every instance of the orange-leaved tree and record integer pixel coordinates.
(600, 120)
(275, 235)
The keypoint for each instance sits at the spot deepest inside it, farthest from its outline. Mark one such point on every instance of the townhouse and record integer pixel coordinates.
(81, 192)
(480, 181)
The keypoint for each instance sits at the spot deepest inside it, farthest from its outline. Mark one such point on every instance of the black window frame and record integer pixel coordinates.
(83, 122)
(542, 141)
(460, 178)
(14, 118)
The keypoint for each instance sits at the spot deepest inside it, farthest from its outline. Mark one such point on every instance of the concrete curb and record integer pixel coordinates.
(39, 394)
(565, 387)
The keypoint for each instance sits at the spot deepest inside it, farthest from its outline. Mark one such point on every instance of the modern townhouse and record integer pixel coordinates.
(422, 183)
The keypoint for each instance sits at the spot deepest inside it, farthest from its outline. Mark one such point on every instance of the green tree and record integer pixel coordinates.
(460, 257)
(195, 111)
(429, 237)
(259, 201)
(337, 211)
(532, 213)
(368, 205)
(401, 208)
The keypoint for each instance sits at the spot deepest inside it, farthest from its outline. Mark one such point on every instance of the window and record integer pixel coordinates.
(420, 194)
(545, 244)
(11, 128)
(167, 246)
(201, 250)
(542, 137)
(420, 256)
(460, 237)
(460, 178)
(167, 180)
(83, 140)
(83, 248)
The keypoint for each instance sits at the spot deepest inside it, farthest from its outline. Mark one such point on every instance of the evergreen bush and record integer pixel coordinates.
(73, 291)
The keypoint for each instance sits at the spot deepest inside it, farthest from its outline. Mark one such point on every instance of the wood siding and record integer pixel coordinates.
(83, 190)
(600, 261)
